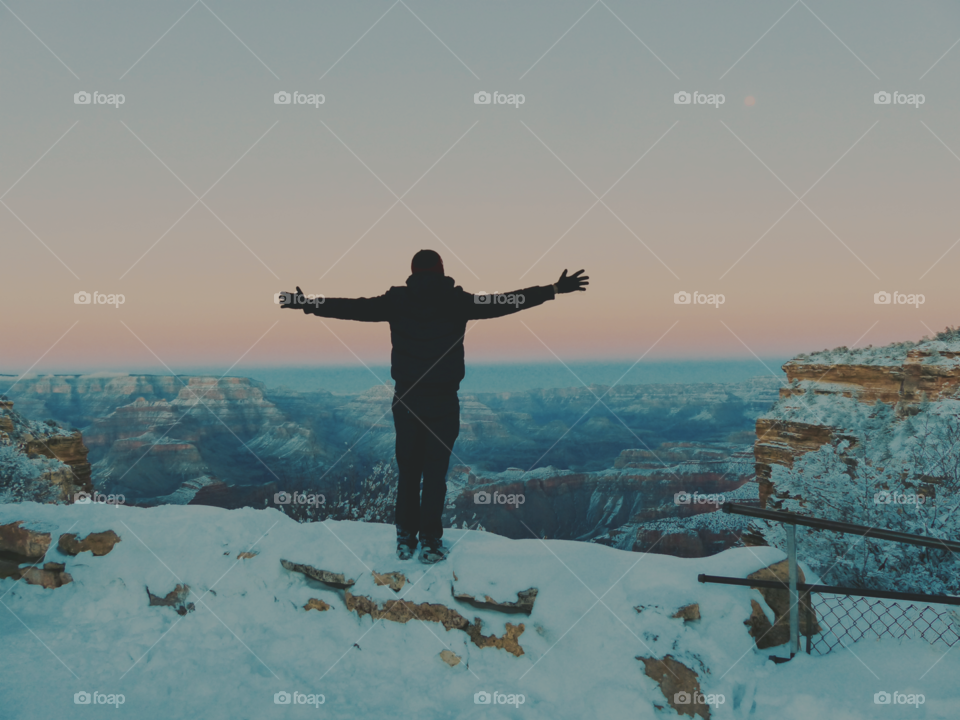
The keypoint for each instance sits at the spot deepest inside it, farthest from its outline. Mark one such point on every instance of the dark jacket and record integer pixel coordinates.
(428, 319)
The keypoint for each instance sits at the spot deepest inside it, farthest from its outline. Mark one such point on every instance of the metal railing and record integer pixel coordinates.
(853, 618)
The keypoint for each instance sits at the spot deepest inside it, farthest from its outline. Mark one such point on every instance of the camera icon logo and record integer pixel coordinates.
(282, 498)
(681, 298)
(81, 98)
(881, 698)
(281, 98)
(881, 298)
(682, 698)
(81, 298)
(881, 98)
(481, 698)
(281, 698)
(81, 698)
(481, 498)
(681, 498)
(481, 98)
(482, 298)
(82, 498)
(681, 98)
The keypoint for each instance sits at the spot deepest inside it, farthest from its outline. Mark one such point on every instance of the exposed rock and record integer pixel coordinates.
(336, 580)
(52, 575)
(677, 682)
(315, 604)
(450, 658)
(691, 543)
(393, 580)
(769, 635)
(38, 442)
(688, 612)
(23, 542)
(247, 555)
(401, 611)
(523, 604)
(175, 599)
(902, 375)
(98, 543)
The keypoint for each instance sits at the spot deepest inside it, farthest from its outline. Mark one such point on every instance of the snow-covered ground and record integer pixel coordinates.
(250, 638)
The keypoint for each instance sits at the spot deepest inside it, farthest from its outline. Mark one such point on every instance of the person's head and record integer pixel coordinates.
(426, 261)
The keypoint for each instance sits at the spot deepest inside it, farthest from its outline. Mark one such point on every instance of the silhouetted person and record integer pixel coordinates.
(428, 319)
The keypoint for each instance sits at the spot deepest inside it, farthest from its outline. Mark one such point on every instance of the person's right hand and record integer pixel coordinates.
(573, 283)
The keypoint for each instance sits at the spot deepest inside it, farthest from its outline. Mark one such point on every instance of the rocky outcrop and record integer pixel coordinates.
(679, 684)
(99, 543)
(523, 603)
(765, 633)
(587, 505)
(25, 472)
(50, 576)
(902, 375)
(22, 542)
(335, 580)
(176, 599)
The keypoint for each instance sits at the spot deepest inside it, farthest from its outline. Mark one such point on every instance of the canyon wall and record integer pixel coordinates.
(809, 413)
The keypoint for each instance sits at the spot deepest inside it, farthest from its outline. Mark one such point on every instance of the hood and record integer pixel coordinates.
(427, 284)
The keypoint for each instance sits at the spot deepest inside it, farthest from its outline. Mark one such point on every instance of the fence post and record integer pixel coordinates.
(794, 597)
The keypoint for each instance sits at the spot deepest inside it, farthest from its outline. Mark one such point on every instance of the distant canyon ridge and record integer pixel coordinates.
(592, 463)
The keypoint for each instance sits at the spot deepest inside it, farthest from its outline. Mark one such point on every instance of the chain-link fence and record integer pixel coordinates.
(845, 619)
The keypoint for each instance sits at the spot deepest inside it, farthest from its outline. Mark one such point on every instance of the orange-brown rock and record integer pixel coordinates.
(523, 603)
(315, 604)
(688, 612)
(176, 598)
(901, 379)
(677, 683)
(71, 451)
(767, 634)
(393, 580)
(98, 543)
(52, 575)
(402, 611)
(23, 542)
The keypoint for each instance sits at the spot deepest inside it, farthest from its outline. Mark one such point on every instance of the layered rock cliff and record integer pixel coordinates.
(815, 404)
(40, 460)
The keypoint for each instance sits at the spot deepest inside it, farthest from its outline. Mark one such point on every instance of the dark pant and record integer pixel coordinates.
(427, 427)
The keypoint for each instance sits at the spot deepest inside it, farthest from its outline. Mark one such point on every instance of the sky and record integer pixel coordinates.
(797, 199)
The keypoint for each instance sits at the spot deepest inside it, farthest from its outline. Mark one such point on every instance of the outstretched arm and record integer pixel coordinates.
(491, 305)
(375, 309)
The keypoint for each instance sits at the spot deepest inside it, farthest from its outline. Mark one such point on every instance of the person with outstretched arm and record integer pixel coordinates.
(428, 320)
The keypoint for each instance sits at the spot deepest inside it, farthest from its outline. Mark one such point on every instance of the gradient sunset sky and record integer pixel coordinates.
(692, 197)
